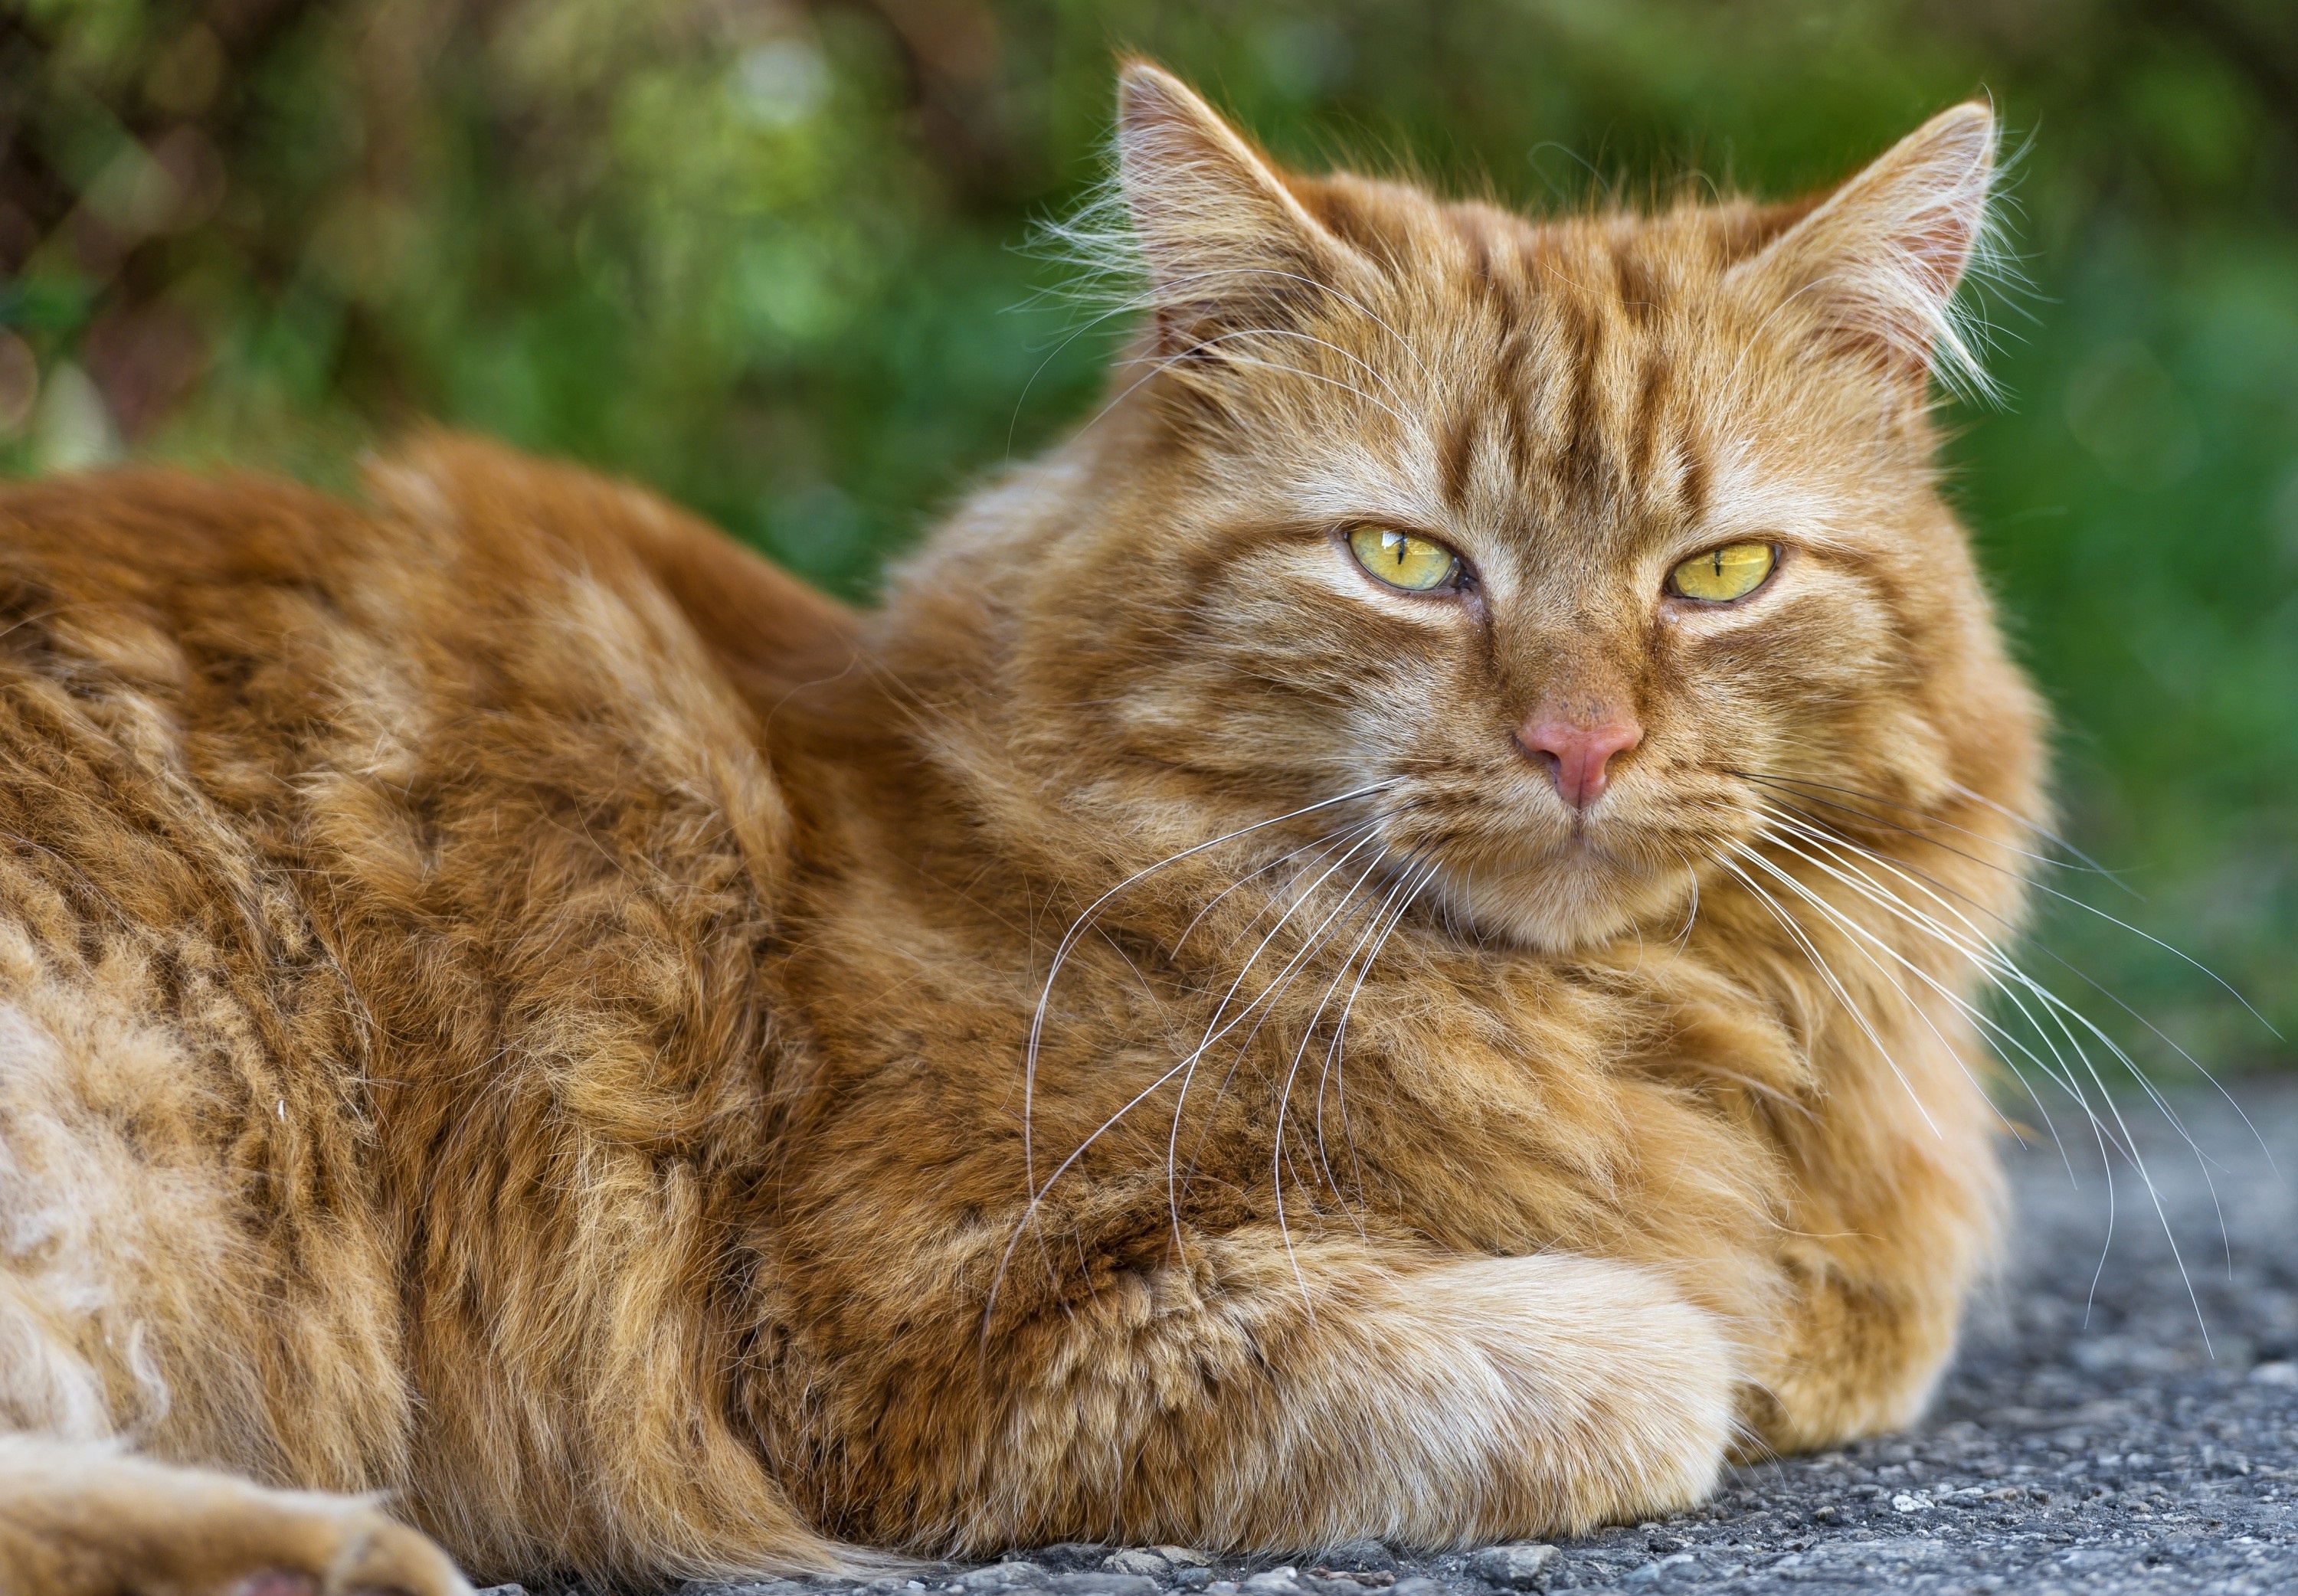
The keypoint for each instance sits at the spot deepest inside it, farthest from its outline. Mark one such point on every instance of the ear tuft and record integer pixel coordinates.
(1226, 243)
(1881, 259)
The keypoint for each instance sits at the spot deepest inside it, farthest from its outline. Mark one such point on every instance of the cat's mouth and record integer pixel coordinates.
(1587, 883)
(1510, 861)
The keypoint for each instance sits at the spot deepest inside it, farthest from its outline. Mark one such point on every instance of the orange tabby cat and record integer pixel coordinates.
(1315, 972)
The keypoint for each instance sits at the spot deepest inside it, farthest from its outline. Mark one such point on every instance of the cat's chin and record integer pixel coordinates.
(1565, 902)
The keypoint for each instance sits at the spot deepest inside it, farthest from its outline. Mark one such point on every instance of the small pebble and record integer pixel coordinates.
(1518, 1567)
(1136, 1560)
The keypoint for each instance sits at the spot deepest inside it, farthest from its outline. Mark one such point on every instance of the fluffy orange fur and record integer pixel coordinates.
(509, 1002)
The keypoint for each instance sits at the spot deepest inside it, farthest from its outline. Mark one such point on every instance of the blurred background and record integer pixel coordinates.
(767, 255)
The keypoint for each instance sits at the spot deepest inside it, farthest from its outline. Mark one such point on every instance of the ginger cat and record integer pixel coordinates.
(1376, 945)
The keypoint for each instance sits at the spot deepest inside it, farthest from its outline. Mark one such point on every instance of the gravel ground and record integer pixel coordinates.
(2098, 1436)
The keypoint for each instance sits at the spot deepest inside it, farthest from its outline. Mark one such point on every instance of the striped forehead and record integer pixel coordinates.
(1572, 422)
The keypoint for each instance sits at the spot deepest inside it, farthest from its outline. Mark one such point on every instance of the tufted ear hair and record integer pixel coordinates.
(1228, 247)
(1875, 266)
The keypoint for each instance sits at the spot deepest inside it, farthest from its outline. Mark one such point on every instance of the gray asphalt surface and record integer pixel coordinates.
(2111, 1427)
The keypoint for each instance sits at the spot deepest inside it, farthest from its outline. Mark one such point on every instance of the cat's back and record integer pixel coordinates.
(358, 855)
(490, 689)
(453, 541)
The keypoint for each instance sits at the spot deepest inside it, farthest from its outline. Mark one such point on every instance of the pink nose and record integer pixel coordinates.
(1578, 755)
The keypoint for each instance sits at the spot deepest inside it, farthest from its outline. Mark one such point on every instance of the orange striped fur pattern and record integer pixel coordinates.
(520, 1022)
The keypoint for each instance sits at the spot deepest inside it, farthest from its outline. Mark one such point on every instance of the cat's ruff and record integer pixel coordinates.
(1171, 1030)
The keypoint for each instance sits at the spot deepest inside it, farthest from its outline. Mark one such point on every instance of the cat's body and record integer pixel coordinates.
(507, 1001)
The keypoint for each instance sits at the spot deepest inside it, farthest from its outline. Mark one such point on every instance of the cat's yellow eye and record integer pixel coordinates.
(1416, 563)
(1731, 572)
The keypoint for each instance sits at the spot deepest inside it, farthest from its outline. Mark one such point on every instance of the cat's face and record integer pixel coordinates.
(1572, 538)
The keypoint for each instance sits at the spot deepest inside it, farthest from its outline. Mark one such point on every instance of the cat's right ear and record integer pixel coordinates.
(1230, 249)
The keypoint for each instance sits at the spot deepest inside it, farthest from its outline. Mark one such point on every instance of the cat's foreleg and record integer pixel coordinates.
(80, 1519)
(1256, 1396)
(1896, 1215)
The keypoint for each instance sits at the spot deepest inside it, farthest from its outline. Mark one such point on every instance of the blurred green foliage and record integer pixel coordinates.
(763, 253)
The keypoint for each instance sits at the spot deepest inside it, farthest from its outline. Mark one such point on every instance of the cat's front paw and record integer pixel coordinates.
(87, 1521)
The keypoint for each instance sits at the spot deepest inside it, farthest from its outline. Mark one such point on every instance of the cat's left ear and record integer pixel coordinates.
(1874, 269)
(1228, 247)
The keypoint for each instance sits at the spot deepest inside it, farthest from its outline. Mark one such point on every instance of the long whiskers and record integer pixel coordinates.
(2044, 888)
(1861, 939)
(2056, 1069)
(1815, 827)
(1336, 1050)
(1374, 925)
(1316, 846)
(1796, 785)
(2039, 830)
(1845, 862)
(1091, 911)
(1826, 971)
(1215, 1032)
(1998, 965)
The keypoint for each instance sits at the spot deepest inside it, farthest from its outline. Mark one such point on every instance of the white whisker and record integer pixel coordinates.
(1826, 973)
(1796, 785)
(2001, 972)
(1279, 1155)
(1078, 926)
(2049, 891)
(1069, 938)
(1254, 874)
(1212, 1036)
(1682, 939)
(1335, 1051)
(1308, 1031)
(1861, 935)
(1932, 889)
(2058, 1010)
(1268, 995)
(2039, 829)
(2063, 1075)
(1990, 957)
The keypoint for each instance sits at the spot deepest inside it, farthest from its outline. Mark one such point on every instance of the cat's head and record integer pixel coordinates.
(1569, 536)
